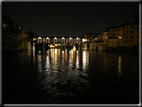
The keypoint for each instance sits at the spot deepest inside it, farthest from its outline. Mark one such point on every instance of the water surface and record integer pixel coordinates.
(71, 77)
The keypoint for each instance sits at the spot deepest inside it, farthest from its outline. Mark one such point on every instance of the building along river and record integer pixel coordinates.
(71, 77)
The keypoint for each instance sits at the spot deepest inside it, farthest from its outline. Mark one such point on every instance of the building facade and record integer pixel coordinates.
(11, 34)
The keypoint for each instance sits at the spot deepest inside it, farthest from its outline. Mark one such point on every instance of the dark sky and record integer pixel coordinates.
(69, 18)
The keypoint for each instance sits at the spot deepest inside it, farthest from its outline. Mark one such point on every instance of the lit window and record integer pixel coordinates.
(4, 25)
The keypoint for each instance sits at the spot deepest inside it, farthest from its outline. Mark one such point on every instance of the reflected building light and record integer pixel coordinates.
(34, 55)
(74, 48)
(47, 65)
(55, 56)
(62, 57)
(72, 55)
(55, 53)
(119, 66)
(87, 58)
(39, 63)
(77, 59)
(66, 55)
(84, 60)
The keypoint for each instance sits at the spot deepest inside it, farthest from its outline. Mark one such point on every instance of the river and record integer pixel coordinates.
(71, 77)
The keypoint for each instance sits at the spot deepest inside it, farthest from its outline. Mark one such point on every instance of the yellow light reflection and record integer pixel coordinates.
(85, 60)
(33, 55)
(52, 58)
(72, 56)
(66, 55)
(63, 56)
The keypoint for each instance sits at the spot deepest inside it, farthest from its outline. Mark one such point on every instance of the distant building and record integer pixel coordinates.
(131, 35)
(91, 37)
(100, 37)
(126, 35)
(26, 43)
(11, 34)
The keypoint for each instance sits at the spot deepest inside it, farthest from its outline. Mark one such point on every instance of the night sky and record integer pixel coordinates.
(69, 18)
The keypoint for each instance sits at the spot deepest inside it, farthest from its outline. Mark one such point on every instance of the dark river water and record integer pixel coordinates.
(71, 77)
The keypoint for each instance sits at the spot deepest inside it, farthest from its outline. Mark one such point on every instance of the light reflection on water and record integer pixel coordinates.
(119, 67)
(70, 73)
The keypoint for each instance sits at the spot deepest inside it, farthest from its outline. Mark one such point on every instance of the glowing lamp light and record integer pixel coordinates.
(47, 38)
(70, 37)
(39, 37)
(39, 51)
(119, 37)
(84, 40)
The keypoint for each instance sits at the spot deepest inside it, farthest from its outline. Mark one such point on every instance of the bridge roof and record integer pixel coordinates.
(56, 37)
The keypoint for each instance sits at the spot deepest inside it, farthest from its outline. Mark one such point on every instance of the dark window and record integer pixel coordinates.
(127, 32)
(132, 31)
(127, 36)
(130, 36)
